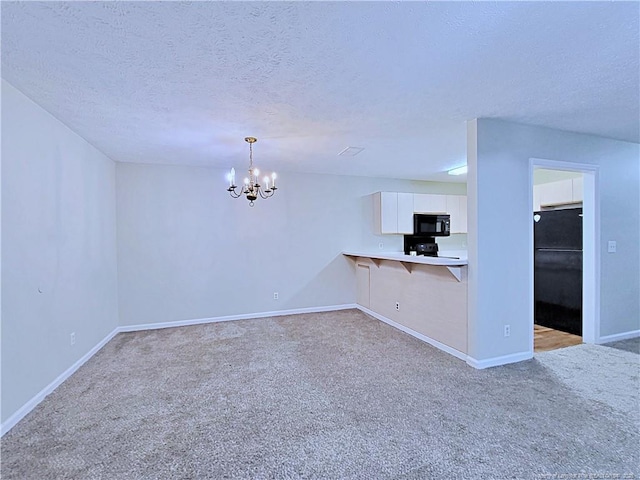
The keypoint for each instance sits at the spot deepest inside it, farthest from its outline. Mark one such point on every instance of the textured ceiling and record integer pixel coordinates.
(184, 83)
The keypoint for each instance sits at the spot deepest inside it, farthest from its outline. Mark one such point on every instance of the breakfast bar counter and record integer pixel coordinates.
(423, 296)
(454, 259)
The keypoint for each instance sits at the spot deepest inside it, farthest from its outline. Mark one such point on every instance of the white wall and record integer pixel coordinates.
(59, 237)
(498, 193)
(187, 250)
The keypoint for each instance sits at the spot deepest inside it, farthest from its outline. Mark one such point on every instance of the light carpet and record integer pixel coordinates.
(332, 395)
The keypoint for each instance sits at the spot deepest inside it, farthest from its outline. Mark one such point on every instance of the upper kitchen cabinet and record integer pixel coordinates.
(557, 193)
(393, 212)
(457, 208)
(577, 189)
(429, 203)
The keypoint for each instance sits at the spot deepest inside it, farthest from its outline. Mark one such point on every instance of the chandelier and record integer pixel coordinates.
(251, 187)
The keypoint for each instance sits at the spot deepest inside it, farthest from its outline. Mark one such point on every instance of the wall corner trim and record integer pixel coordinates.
(616, 337)
(31, 404)
(413, 333)
(497, 361)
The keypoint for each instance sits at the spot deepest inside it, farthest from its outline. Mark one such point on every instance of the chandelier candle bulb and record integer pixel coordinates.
(233, 177)
(266, 182)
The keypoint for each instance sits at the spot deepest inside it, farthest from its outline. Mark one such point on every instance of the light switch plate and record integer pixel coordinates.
(612, 246)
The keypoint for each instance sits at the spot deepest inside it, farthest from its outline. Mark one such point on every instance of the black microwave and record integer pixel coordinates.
(431, 225)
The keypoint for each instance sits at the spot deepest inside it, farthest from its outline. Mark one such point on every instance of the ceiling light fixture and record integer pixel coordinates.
(350, 151)
(458, 171)
(251, 187)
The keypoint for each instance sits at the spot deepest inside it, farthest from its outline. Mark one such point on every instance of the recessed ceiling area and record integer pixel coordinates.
(184, 83)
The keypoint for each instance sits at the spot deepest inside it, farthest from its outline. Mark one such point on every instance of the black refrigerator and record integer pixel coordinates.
(557, 241)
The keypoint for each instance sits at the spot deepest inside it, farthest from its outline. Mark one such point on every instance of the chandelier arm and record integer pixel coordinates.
(267, 194)
(234, 193)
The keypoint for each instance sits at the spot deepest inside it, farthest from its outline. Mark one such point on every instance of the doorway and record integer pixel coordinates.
(563, 266)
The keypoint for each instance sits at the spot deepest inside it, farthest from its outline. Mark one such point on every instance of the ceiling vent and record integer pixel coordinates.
(350, 151)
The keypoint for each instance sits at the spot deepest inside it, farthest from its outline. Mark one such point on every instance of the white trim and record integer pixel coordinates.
(479, 364)
(413, 333)
(228, 318)
(31, 404)
(560, 165)
(591, 258)
(590, 248)
(618, 336)
(497, 361)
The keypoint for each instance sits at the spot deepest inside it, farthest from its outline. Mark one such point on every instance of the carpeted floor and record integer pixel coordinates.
(332, 395)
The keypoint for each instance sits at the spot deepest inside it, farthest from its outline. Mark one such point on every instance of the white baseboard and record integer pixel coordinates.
(413, 333)
(228, 318)
(497, 361)
(31, 404)
(618, 336)
(479, 364)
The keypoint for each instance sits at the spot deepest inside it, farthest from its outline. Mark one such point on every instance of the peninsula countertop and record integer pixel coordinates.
(460, 257)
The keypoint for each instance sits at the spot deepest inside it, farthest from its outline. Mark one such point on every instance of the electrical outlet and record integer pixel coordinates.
(398, 306)
(72, 338)
(275, 295)
(381, 245)
(507, 330)
(612, 246)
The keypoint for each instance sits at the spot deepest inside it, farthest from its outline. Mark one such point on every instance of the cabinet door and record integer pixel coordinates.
(405, 213)
(578, 195)
(388, 215)
(555, 193)
(363, 282)
(463, 214)
(457, 208)
(453, 209)
(536, 198)
(429, 203)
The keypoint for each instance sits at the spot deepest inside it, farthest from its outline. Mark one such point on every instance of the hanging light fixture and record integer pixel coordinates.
(251, 187)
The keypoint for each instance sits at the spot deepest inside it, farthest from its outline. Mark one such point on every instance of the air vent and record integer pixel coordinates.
(350, 151)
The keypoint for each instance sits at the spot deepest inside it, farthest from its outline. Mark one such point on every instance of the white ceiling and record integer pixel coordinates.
(184, 83)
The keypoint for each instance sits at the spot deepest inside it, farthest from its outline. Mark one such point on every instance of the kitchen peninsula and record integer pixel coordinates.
(421, 295)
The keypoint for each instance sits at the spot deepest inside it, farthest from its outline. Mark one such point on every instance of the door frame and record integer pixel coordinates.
(590, 245)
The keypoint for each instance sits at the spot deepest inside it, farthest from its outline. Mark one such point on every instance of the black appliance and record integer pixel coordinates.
(422, 245)
(431, 225)
(425, 228)
(557, 241)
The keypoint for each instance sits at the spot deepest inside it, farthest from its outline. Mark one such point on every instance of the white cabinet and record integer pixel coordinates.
(405, 213)
(393, 212)
(577, 190)
(454, 205)
(429, 203)
(457, 208)
(536, 198)
(557, 193)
